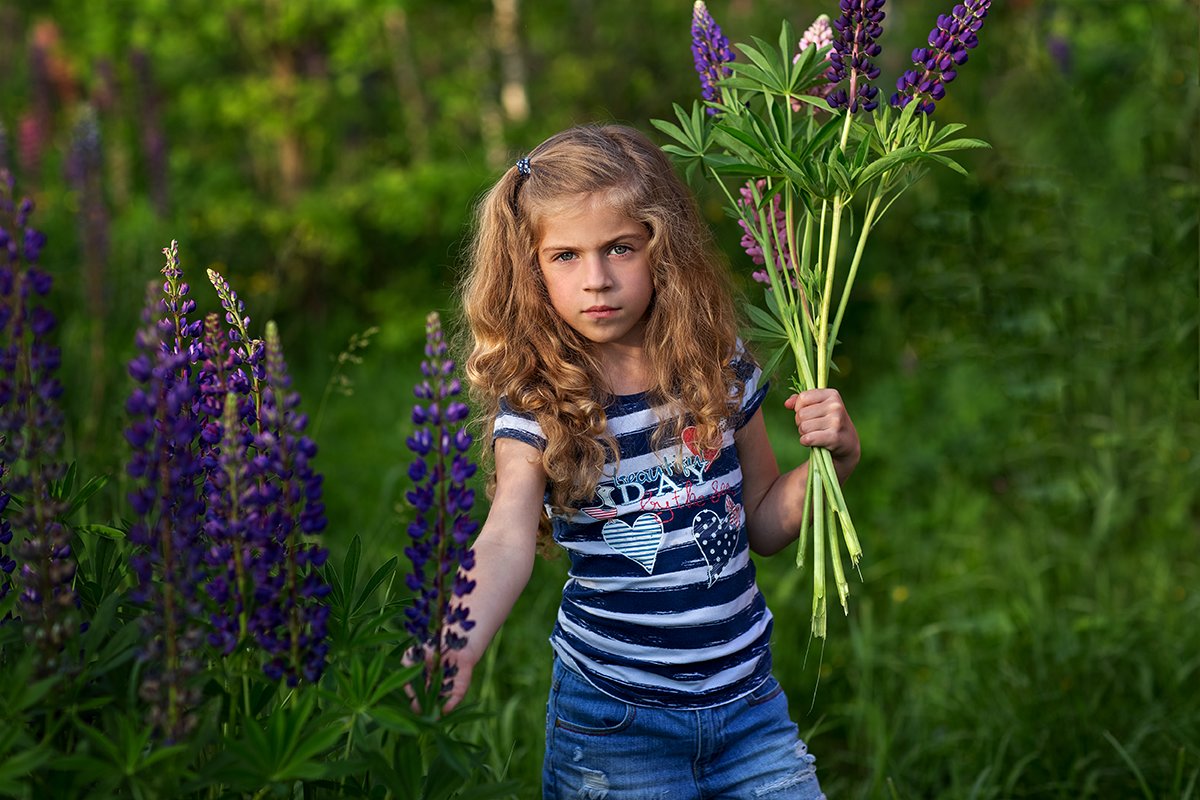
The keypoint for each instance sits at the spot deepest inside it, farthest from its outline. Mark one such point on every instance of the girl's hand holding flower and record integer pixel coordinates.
(822, 421)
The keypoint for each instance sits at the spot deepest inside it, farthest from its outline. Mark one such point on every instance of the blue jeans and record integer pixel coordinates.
(599, 748)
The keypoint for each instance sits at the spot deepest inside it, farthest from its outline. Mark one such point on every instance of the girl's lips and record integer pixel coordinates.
(600, 312)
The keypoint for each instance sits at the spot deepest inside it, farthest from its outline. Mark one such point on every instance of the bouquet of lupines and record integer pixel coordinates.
(809, 161)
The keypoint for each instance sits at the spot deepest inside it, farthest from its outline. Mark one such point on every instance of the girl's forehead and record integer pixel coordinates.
(580, 208)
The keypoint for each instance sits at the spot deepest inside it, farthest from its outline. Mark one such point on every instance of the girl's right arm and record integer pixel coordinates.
(504, 554)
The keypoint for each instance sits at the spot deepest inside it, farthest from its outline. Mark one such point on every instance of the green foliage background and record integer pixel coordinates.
(1021, 355)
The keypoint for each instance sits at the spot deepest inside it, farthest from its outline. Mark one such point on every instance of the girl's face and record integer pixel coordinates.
(596, 266)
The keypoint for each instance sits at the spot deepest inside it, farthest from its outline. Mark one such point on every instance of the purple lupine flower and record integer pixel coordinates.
(442, 528)
(31, 437)
(167, 531)
(226, 408)
(818, 35)
(854, 45)
(247, 351)
(937, 64)
(229, 555)
(783, 258)
(711, 51)
(289, 621)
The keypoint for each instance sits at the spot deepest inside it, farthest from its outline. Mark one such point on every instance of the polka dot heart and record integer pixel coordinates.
(716, 540)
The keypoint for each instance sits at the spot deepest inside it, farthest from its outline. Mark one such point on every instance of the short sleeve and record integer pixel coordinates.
(511, 424)
(754, 385)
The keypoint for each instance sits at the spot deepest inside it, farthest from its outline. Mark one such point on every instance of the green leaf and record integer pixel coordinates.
(746, 76)
(775, 360)
(765, 320)
(380, 575)
(762, 335)
(66, 484)
(395, 720)
(350, 567)
(744, 137)
(946, 130)
(15, 766)
(890, 161)
(735, 169)
(691, 132)
(947, 162)
(761, 56)
(819, 102)
(883, 121)
(903, 121)
(103, 531)
(841, 175)
(678, 151)
(395, 682)
(86, 491)
(302, 759)
(959, 144)
(861, 153)
(827, 131)
(670, 129)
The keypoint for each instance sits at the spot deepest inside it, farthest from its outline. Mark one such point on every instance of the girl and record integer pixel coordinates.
(605, 360)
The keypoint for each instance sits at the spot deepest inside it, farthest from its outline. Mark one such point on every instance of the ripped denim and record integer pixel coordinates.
(599, 748)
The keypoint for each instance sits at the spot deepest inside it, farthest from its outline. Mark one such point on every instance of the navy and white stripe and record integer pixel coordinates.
(650, 613)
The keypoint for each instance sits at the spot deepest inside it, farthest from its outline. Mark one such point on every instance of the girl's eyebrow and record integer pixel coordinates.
(631, 233)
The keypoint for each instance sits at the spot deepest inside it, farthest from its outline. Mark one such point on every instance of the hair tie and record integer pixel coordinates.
(523, 167)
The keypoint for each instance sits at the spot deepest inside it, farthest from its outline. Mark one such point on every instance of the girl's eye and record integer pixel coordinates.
(620, 249)
(563, 257)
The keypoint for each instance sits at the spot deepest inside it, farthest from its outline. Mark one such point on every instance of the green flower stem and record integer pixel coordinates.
(824, 345)
(839, 575)
(834, 488)
(868, 221)
(806, 260)
(846, 124)
(818, 607)
(806, 515)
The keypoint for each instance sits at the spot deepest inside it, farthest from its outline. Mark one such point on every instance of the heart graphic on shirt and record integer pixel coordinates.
(639, 541)
(716, 540)
(689, 440)
(733, 512)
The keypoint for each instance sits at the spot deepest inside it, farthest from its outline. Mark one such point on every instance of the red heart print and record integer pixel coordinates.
(689, 439)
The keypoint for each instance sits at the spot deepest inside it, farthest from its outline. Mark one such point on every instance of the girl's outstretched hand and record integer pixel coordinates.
(453, 689)
(822, 421)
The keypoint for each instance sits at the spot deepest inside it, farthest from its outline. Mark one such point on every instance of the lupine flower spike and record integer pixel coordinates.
(442, 530)
(711, 51)
(854, 45)
(31, 436)
(936, 65)
(167, 531)
(783, 259)
(247, 350)
(290, 621)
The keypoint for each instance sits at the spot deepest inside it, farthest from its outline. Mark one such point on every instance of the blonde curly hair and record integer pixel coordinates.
(522, 351)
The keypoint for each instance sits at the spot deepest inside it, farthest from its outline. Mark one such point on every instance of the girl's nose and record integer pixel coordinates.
(597, 275)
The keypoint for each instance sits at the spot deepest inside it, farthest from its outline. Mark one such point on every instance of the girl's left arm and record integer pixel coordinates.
(774, 502)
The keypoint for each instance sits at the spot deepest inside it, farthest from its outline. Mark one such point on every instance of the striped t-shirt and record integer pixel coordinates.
(661, 607)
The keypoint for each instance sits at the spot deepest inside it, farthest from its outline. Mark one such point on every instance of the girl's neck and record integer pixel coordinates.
(626, 369)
